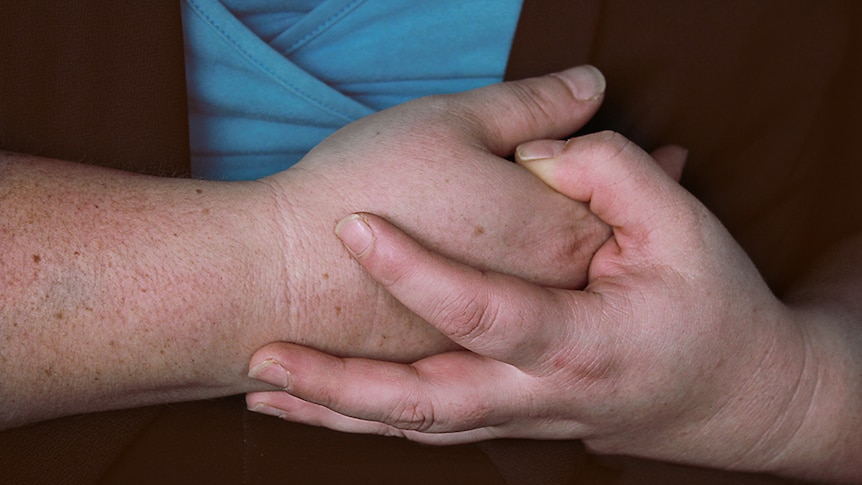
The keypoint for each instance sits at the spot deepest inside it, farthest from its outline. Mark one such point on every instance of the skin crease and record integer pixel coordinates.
(121, 290)
(675, 350)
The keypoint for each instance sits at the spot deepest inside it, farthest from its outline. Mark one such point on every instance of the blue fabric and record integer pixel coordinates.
(270, 79)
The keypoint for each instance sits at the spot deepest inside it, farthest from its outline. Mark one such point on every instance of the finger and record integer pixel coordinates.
(494, 315)
(439, 394)
(671, 159)
(290, 408)
(552, 106)
(623, 185)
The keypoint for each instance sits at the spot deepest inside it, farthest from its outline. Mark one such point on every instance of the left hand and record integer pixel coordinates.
(676, 349)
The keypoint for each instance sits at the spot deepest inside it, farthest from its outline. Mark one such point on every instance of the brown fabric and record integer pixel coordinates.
(220, 442)
(738, 83)
(763, 94)
(95, 81)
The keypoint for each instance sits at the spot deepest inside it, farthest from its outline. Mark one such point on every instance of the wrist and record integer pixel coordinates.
(825, 443)
(327, 302)
(266, 293)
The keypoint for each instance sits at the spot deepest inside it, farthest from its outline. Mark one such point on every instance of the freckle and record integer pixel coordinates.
(96, 206)
(205, 211)
(37, 258)
(479, 231)
(77, 253)
(58, 315)
(326, 276)
(338, 310)
(112, 343)
(200, 191)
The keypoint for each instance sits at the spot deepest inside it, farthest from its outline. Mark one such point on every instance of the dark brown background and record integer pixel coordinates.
(764, 94)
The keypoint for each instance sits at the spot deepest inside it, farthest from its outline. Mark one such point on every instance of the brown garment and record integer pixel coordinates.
(764, 94)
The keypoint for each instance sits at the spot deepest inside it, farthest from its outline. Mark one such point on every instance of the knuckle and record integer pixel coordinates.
(413, 414)
(531, 103)
(569, 257)
(608, 145)
(465, 316)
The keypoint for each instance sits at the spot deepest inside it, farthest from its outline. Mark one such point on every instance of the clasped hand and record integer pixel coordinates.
(434, 167)
(676, 349)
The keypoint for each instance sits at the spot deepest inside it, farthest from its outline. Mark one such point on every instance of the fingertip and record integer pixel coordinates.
(356, 234)
(263, 408)
(270, 371)
(672, 159)
(540, 158)
(586, 82)
(538, 150)
(260, 356)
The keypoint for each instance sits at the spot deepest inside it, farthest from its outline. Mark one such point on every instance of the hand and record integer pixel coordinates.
(435, 167)
(187, 278)
(675, 350)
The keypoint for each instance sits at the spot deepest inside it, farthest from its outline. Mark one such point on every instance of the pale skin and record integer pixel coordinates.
(675, 350)
(120, 290)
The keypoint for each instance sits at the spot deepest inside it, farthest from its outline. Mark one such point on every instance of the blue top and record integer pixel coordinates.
(270, 79)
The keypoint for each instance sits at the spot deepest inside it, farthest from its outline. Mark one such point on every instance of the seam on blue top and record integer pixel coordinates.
(204, 107)
(324, 25)
(287, 84)
(245, 153)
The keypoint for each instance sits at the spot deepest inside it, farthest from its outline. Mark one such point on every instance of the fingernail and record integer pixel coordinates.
(586, 82)
(356, 234)
(267, 410)
(271, 372)
(538, 150)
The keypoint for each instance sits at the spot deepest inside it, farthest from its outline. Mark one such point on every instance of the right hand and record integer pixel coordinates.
(435, 168)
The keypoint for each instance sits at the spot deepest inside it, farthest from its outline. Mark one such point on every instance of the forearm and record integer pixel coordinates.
(121, 290)
(827, 445)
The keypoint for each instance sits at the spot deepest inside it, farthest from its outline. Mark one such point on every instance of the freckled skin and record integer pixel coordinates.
(188, 278)
(109, 272)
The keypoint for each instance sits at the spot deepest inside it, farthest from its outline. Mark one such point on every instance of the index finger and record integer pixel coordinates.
(622, 184)
(494, 315)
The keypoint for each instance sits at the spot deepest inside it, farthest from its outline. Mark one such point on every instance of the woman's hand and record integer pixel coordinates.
(675, 350)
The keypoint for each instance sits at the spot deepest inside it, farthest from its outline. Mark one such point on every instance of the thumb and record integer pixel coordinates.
(623, 185)
(551, 106)
(492, 314)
